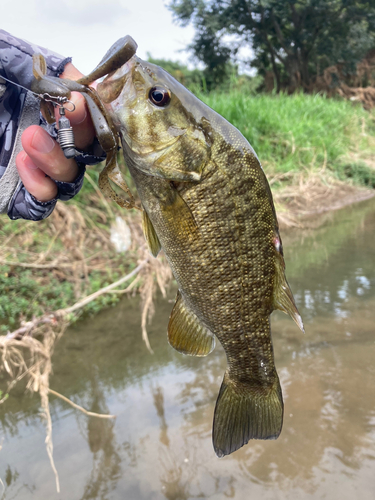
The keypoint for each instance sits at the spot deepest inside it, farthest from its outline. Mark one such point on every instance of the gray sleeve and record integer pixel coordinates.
(24, 205)
(18, 110)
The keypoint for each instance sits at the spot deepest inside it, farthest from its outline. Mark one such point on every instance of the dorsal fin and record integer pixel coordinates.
(282, 296)
(186, 334)
(150, 235)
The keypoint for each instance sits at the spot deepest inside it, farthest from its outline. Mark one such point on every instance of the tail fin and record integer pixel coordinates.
(242, 414)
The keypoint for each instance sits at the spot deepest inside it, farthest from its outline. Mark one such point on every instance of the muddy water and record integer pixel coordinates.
(160, 444)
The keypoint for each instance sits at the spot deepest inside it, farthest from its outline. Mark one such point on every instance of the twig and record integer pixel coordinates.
(13, 234)
(48, 441)
(51, 265)
(147, 309)
(27, 327)
(80, 408)
(127, 289)
(93, 296)
(43, 255)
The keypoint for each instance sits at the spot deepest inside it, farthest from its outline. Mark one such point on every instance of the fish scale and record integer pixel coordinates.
(209, 207)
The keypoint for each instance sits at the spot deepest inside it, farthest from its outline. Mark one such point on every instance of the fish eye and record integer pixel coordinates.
(159, 96)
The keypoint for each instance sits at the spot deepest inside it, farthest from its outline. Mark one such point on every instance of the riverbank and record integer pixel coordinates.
(305, 205)
(303, 135)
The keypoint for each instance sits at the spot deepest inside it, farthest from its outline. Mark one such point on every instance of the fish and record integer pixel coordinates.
(207, 204)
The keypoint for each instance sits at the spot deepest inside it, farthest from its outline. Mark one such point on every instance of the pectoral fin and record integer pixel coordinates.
(150, 235)
(283, 298)
(186, 334)
(105, 186)
(174, 207)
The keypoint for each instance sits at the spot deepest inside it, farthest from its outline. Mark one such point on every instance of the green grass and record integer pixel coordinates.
(300, 132)
(25, 293)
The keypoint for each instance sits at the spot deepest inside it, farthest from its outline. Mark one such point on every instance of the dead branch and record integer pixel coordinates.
(52, 318)
(148, 310)
(83, 302)
(50, 265)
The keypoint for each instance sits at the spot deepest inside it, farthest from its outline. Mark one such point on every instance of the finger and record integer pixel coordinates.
(35, 181)
(71, 72)
(80, 119)
(47, 155)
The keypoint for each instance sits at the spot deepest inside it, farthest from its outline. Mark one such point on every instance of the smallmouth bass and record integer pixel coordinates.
(208, 205)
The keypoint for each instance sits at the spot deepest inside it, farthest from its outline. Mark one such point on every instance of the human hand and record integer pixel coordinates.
(43, 155)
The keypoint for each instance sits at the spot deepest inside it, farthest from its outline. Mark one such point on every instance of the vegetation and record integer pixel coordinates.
(198, 80)
(295, 40)
(302, 132)
(191, 78)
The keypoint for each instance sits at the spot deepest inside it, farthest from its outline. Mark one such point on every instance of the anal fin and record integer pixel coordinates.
(283, 298)
(186, 334)
(150, 235)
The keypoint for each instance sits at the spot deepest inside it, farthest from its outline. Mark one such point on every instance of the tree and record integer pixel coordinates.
(217, 71)
(295, 39)
(191, 78)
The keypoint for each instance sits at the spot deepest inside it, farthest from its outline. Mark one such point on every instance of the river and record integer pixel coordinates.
(159, 446)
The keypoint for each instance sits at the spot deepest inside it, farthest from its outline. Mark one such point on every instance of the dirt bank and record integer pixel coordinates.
(305, 205)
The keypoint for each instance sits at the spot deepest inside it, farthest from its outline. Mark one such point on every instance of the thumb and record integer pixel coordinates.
(71, 72)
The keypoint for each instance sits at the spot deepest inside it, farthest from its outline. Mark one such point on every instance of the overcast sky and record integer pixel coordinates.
(85, 29)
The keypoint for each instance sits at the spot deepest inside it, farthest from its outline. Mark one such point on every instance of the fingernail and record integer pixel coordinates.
(80, 112)
(81, 119)
(28, 162)
(42, 142)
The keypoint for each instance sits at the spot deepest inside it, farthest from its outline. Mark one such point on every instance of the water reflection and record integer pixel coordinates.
(11, 477)
(105, 451)
(160, 444)
(158, 398)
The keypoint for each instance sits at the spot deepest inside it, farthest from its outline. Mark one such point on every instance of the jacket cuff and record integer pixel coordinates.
(24, 205)
(66, 190)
